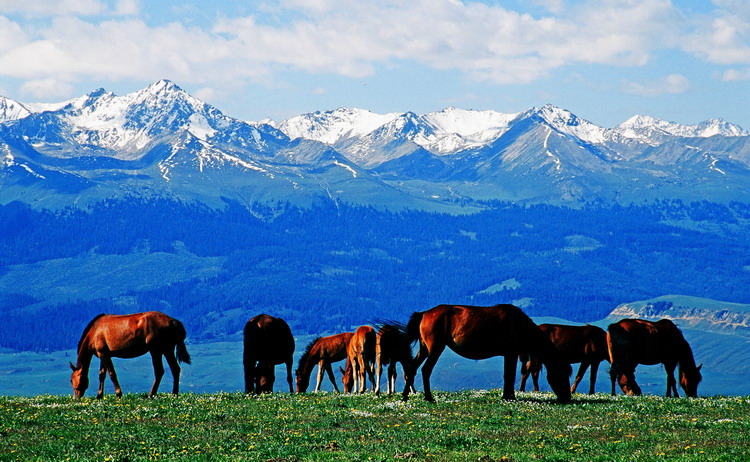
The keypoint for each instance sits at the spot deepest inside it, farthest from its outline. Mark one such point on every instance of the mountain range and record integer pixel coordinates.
(161, 141)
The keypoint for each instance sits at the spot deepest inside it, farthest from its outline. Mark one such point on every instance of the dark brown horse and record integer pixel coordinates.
(577, 344)
(268, 341)
(129, 336)
(483, 332)
(322, 351)
(392, 346)
(636, 341)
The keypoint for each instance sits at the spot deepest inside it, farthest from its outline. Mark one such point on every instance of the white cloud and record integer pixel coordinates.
(723, 37)
(53, 7)
(671, 84)
(354, 38)
(735, 75)
(46, 88)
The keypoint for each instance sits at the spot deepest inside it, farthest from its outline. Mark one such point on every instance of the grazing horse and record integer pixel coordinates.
(476, 332)
(636, 341)
(392, 346)
(268, 341)
(322, 351)
(360, 353)
(577, 344)
(129, 336)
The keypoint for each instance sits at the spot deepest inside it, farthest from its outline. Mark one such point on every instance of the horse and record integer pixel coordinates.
(391, 346)
(322, 351)
(268, 341)
(477, 332)
(360, 353)
(129, 336)
(636, 341)
(577, 344)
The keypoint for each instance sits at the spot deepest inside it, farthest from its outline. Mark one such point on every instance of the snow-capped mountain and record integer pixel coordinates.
(12, 110)
(654, 131)
(161, 140)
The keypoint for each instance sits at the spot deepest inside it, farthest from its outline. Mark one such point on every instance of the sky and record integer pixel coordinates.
(684, 61)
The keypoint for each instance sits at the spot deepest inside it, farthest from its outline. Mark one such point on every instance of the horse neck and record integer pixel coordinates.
(686, 359)
(306, 364)
(84, 356)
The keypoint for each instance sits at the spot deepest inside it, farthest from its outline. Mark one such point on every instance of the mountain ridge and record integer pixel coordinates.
(403, 160)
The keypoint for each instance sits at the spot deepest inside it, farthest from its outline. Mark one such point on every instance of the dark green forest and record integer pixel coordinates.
(332, 266)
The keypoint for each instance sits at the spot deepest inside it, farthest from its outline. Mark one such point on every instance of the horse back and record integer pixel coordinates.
(131, 335)
(268, 338)
(640, 341)
(479, 332)
(578, 343)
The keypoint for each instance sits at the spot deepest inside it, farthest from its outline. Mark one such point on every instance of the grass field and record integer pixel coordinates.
(465, 426)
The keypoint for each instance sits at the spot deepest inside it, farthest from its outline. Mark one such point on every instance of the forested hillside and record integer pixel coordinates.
(333, 266)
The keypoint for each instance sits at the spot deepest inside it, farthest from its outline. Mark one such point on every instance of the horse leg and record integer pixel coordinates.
(321, 371)
(175, 369)
(392, 377)
(413, 366)
(378, 374)
(289, 374)
(579, 376)
(536, 367)
(355, 375)
(329, 369)
(613, 376)
(592, 380)
(102, 375)
(509, 376)
(429, 365)
(671, 382)
(524, 372)
(107, 363)
(158, 373)
(249, 364)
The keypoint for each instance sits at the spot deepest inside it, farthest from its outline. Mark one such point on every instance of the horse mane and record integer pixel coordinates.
(379, 324)
(87, 329)
(308, 350)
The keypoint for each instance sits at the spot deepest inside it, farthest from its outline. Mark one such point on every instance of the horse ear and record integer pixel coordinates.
(699, 367)
(72, 367)
(342, 370)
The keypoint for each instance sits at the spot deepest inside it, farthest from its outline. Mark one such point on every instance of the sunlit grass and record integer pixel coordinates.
(470, 425)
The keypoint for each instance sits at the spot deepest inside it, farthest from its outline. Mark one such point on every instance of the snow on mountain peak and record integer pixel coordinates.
(12, 110)
(566, 122)
(648, 128)
(331, 126)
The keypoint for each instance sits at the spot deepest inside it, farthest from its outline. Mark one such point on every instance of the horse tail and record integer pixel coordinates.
(616, 336)
(412, 327)
(182, 354)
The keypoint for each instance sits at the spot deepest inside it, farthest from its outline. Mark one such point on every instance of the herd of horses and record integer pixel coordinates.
(473, 332)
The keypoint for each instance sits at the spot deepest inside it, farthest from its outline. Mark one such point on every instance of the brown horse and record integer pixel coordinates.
(392, 346)
(636, 341)
(483, 332)
(268, 341)
(129, 336)
(360, 353)
(322, 351)
(577, 344)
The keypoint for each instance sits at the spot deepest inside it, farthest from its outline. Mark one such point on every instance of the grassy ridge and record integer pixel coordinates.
(470, 425)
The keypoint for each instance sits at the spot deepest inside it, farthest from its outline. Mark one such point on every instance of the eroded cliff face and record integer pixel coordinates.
(690, 312)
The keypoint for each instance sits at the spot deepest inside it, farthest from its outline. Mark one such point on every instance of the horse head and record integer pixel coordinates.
(690, 377)
(302, 381)
(558, 377)
(79, 380)
(347, 379)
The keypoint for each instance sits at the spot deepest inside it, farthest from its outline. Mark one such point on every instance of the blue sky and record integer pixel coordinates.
(605, 60)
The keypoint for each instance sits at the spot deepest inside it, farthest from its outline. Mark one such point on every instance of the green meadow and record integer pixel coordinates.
(462, 426)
